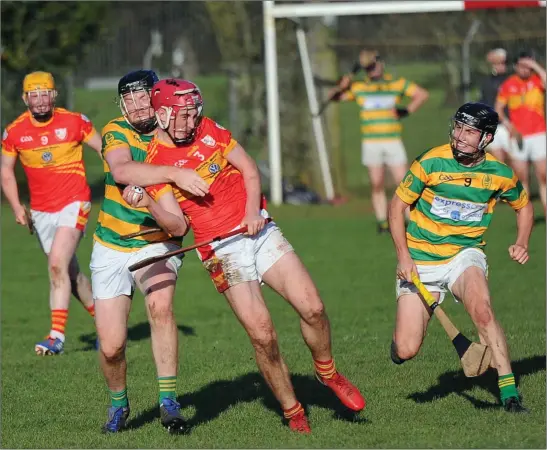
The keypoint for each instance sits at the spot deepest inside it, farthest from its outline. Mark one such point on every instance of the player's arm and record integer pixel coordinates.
(95, 142)
(525, 223)
(9, 186)
(407, 193)
(418, 96)
(534, 65)
(241, 160)
(517, 197)
(501, 102)
(125, 170)
(165, 209)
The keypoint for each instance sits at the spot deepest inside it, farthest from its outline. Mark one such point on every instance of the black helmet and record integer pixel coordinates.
(133, 82)
(481, 117)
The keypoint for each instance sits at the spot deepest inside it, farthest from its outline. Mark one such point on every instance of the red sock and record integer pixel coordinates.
(291, 412)
(91, 310)
(325, 369)
(58, 323)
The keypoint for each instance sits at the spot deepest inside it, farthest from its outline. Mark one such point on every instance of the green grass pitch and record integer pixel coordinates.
(60, 402)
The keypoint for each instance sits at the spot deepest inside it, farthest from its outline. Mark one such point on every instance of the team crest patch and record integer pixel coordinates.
(109, 138)
(408, 180)
(487, 181)
(214, 168)
(209, 141)
(47, 157)
(60, 133)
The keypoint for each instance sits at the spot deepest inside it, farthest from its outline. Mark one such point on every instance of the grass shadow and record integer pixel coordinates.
(213, 399)
(136, 332)
(455, 382)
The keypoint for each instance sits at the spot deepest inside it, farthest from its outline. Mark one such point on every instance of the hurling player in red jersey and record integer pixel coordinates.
(523, 94)
(237, 265)
(48, 142)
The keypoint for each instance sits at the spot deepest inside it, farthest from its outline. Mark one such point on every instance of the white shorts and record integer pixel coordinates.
(243, 258)
(73, 215)
(378, 153)
(534, 148)
(110, 275)
(501, 141)
(441, 277)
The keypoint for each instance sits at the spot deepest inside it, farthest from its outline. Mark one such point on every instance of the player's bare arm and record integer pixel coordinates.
(9, 187)
(396, 217)
(166, 211)
(418, 98)
(95, 142)
(241, 160)
(525, 222)
(500, 107)
(534, 65)
(127, 171)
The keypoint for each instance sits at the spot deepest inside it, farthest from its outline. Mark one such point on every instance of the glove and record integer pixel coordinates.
(401, 112)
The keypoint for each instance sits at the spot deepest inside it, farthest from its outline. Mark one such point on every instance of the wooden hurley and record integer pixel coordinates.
(475, 357)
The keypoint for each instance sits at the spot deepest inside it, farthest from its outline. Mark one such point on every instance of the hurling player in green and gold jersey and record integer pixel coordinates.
(125, 141)
(380, 96)
(452, 191)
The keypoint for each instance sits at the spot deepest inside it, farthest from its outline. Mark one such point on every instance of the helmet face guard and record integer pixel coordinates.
(178, 99)
(479, 117)
(134, 100)
(41, 103)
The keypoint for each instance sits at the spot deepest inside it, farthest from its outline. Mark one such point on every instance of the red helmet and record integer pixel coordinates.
(172, 95)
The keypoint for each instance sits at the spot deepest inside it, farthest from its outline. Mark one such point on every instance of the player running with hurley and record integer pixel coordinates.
(125, 142)
(452, 191)
(237, 265)
(48, 140)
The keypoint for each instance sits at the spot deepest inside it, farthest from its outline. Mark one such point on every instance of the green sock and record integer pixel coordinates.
(168, 387)
(119, 398)
(507, 387)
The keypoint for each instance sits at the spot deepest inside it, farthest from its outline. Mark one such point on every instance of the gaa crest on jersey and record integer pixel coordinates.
(61, 133)
(487, 181)
(209, 141)
(408, 180)
(47, 157)
(214, 168)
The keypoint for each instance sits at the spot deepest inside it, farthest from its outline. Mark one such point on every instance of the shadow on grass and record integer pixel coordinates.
(455, 382)
(213, 399)
(136, 332)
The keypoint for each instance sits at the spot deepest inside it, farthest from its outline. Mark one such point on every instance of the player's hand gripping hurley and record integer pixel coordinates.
(155, 259)
(475, 358)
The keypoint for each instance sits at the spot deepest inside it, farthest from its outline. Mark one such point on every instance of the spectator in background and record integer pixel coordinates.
(497, 58)
(523, 94)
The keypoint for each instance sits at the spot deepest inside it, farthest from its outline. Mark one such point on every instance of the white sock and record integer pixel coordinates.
(57, 335)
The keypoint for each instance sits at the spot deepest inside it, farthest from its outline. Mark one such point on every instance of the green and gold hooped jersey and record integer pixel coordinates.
(452, 205)
(378, 100)
(116, 217)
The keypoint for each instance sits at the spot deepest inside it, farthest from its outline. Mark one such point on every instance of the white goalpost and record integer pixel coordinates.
(271, 12)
